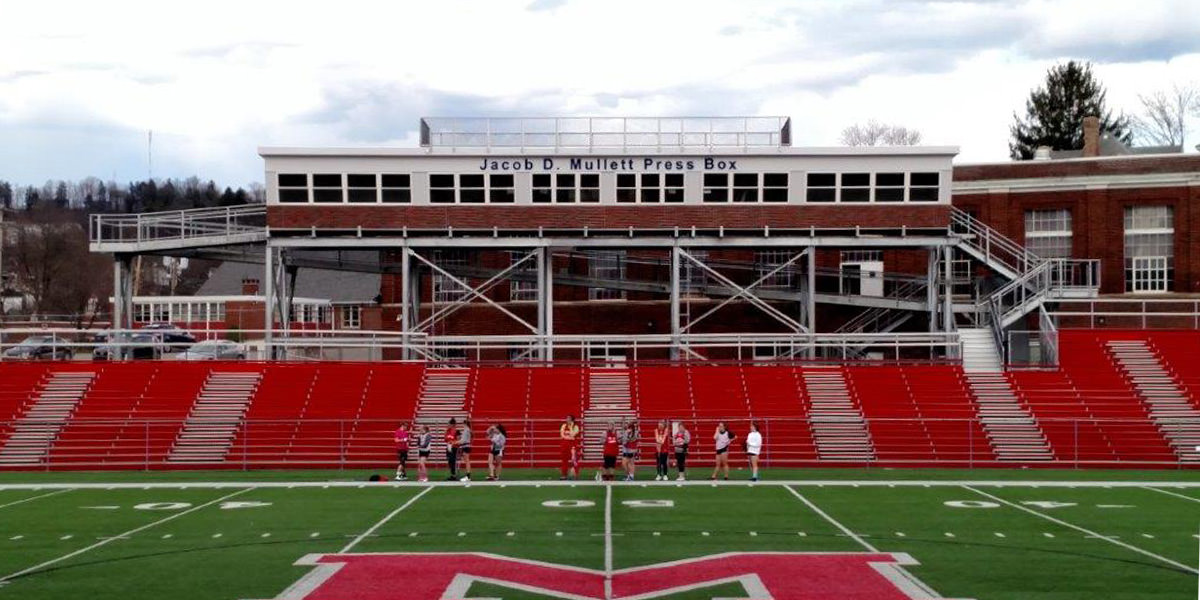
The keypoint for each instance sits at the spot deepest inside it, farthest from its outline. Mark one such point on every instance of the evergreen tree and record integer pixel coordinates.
(1054, 113)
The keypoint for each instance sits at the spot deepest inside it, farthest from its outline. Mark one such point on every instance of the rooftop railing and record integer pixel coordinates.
(586, 134)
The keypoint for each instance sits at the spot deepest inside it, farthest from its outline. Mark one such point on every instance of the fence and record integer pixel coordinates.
(136, 444)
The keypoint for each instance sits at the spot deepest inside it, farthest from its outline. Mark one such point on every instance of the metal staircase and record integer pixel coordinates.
(838, 428)
(1169, 407)
(443, 397)
(1011, 429)
(609, 401)
(215, 418)
(34, 433)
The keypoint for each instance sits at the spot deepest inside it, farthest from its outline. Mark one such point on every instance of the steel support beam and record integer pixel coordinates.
(545, 297)
(947, 300)
(675, 312)
(931, 300)
(269, 303)
(406, 301)
(122, 300)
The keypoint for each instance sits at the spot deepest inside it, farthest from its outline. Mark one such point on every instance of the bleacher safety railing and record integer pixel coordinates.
(145, 444)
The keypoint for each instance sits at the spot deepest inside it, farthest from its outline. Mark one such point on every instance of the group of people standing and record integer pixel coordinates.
(457, 439)
(670, 439)
(621, 444)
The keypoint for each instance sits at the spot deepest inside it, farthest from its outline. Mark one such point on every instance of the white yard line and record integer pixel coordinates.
(22, 501)
(608, 543)
(1085, 531)
(833, 521)
(133, 531)
(536, 483)
(381, 522)
(1153, 489)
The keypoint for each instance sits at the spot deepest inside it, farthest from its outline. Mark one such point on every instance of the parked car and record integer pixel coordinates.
(213, 350)
(139, 346)
(39, 347)
(171, 336)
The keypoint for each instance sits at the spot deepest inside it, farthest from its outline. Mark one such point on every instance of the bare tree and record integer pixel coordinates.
(48, 255)
(874, 133)
(1163, 120)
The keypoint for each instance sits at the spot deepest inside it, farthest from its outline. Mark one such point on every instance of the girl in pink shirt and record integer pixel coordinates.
(402, 436)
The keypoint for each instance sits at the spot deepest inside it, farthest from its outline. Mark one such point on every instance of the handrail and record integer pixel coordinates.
(183, 224)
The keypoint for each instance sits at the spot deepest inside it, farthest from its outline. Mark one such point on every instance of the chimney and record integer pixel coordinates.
(249, 287)
(1091, 137)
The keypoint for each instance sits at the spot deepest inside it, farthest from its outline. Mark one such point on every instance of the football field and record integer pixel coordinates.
(996, 536)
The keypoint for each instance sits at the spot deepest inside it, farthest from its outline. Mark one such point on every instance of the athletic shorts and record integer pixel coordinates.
(423, 453)
(498, 453)
(402, 455)
(751, 453)
(464, 449)
(610, 462)
(721, 451)
(629, 454)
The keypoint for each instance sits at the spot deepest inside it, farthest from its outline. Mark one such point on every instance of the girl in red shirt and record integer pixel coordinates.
(662, 449)
(612, 447)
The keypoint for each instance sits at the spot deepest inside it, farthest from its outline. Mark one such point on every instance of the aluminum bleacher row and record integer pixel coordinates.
(1095, 410)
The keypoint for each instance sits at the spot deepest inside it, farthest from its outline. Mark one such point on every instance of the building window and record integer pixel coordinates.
(1149, 248)
(501, 189)
(856, 187)
(766, 261)
(293, 187)
(745, 187)
(351, 317)
(775, 187)
(444, 288)
(311, 314)
(607, 265)
(923, 187)
(396, 188)
(889, 187)
(716, 187)
(566, 188)
(327, 187)
(362, 187)
(1048, 233)
(441, 188)
(470, 188)
(822, 187)
(650, 187)
(524, 289)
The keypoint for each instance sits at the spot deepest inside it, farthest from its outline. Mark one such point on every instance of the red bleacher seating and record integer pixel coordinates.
(333, 414)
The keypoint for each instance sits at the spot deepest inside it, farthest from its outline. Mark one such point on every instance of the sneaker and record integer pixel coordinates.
(754, 479)
(681, 478)
(422, 479)
(490, 478)
(465, 478)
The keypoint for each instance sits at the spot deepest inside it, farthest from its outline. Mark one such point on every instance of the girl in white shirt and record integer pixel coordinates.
(754, 443)
(722, 439)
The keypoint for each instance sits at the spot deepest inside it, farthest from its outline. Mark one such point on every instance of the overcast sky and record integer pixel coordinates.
(81, 83)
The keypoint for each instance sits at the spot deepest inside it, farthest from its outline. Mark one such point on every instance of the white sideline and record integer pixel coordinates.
(38, 497)
(1085, 531)
(7, 578)
(179, 485)
(389, 516)
(833, 521)
(1153, 489)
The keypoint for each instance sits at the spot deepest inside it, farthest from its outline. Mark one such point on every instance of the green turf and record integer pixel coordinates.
(994, 551)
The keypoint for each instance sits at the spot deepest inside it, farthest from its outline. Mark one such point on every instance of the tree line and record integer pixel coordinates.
(93, 195)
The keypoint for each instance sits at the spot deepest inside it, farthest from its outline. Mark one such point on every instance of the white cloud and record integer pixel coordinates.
(81, 83)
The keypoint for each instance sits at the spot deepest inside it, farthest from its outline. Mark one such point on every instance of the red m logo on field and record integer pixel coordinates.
(764, 576)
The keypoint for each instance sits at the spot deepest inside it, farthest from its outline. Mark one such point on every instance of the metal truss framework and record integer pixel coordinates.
(793, 309)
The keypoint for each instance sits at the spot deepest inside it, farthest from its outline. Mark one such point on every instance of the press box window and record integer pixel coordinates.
(716, 187)
(396, 188)
(564, 187)
(589, 187)
(822, 187)
(889, 187)
(626, 187)
(327, 188)
(923, 187)
(775, 187)
(441, 189)
(856, 187)
(362, 188)
(542, 190)
(673, 187)
(470, 188)
(293, 187)
(501, 189)
(745, 187)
